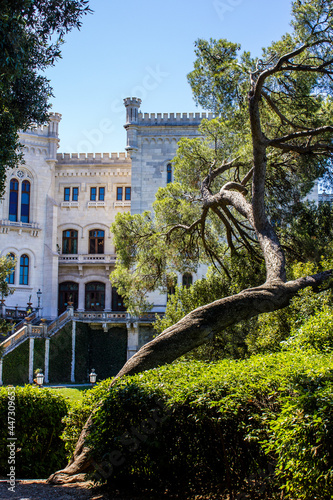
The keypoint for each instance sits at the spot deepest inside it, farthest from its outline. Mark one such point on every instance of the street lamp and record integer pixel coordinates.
(39, 379)
(39, 294)
(92, 377)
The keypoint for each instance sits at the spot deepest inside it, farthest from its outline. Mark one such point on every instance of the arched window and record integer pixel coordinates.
(69, 241)
(11, 277)
(95, 296)
(25, 201)
(117, 301)
(24, 270)
(169, 173)
(187, 280)
(19, 198)
(68, 292)
(171, 285)
(13, 200)
(96, 241)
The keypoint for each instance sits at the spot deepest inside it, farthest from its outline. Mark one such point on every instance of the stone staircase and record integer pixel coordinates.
(33, 327)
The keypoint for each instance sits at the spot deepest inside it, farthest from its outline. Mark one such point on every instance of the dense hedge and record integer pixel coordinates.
(34, 417)
(16, 365)
(219, 426)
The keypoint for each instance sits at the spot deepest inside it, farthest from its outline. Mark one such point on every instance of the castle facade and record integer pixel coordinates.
(57, 210)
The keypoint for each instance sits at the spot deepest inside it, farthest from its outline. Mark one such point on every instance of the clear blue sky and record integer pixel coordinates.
(145, 49)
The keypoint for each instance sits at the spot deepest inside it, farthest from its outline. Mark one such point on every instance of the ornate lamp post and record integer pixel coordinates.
(40, 379)
(93, 377)
(39, 294)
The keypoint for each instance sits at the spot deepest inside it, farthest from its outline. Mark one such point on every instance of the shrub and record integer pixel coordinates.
(301, 437)
(316, 332)
(36, 422)
(194, 425)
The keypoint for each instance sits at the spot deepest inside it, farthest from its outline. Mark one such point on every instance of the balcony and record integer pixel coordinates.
(70, 204)
(84, 259)
(7, 225)
(96, 204)
(122, 203)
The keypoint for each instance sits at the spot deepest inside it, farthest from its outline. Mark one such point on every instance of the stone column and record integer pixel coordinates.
(47, 360)
(108, 288)
(1, 366)
(132, 338)
(73, 351)
(81, 296)
(31, 359)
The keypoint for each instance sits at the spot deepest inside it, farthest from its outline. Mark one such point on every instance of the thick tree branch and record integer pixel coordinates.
(302, 133)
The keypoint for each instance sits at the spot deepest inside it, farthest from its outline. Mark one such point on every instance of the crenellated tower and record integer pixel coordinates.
(132, 105)
(152, 143)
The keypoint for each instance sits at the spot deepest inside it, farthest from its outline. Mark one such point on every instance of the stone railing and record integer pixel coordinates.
(87, 258)
(14, 339)
(103, 316)
(60, 321)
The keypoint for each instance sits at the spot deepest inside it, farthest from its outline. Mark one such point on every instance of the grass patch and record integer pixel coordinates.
(74, 394)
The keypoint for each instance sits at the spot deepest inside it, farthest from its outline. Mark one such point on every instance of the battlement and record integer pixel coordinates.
(92, 158)
(173, 118)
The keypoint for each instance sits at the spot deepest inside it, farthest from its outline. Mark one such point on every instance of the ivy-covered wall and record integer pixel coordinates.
(103, 351)
(61, 355)
(146, 334)
(16, 365)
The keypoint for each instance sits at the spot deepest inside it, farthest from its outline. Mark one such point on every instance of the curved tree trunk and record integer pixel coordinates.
(192, 331)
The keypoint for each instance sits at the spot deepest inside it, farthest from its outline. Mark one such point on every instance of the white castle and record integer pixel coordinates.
(55, 220)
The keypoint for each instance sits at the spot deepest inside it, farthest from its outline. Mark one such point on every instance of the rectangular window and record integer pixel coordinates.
(75, 195)
(127, 193)
(67, 194)
(93, 193)
(119, 193)
(101, 193)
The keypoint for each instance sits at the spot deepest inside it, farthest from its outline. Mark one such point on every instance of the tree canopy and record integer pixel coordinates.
(271, 139)
(31, 35)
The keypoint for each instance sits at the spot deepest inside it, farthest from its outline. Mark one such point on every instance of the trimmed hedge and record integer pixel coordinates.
(16, 365)
(194, 426)
(34, 417)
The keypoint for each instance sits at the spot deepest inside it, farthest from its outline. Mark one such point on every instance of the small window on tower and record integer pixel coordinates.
(67, 194)
(75, 195)
(101, 193)
(169, 173)
(93, 191)
(127, 193)
(119, 193)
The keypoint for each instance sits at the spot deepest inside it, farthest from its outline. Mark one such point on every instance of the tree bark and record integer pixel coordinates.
(192, 331)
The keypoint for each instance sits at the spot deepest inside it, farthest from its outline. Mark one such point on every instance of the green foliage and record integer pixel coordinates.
(241, 273)
(60, 356)
(7, 264)
(16, 365)
(316, 332)
(306, 232)
(104, 351)
(78, 414)
(197, 426)
(271, 331)
(37, 425)
(31, 34)
(301, 439)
